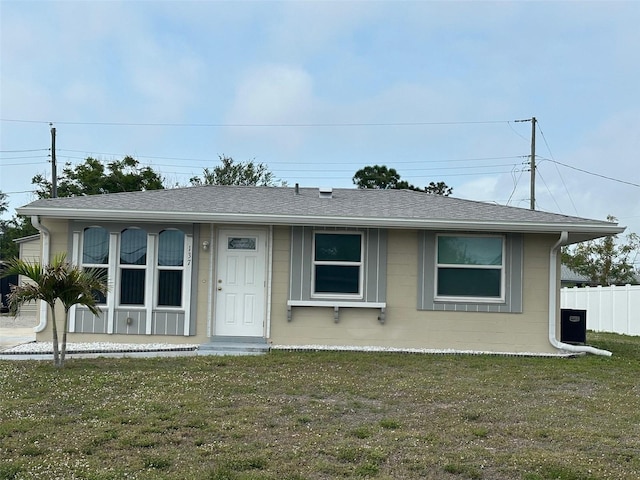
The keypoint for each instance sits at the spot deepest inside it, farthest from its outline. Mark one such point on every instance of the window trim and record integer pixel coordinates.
(149, 313)
(470, 299)
(126, 266)
(101, 266)
(182, 268)
(360, 264)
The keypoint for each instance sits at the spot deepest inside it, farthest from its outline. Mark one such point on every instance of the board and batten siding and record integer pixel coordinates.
(374, 262)
(513, 278)
(30, 248)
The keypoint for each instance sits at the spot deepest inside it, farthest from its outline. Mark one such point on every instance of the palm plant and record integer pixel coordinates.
(58, 281)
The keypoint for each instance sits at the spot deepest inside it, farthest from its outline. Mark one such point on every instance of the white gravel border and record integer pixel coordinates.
(169, 349)
(98, 347)
(350, 348)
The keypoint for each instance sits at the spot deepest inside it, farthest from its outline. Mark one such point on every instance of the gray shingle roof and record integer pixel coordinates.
(567, 274)
(282, 205)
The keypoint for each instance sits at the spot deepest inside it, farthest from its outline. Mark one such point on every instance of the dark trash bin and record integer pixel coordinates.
(573, 326)
(5, 289)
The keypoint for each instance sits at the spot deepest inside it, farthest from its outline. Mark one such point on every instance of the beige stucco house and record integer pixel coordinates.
(315, 268)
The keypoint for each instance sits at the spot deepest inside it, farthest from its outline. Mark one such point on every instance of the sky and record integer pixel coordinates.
(318, 90)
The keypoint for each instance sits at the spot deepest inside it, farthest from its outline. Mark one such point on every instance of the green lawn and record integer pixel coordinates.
(324, 416)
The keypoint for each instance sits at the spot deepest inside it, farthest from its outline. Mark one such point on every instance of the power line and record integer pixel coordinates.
(21, 158)
(23, 191)
(558, 170)
(25, 151)
(269, 125)
(22, 163)
(594, 174)
(139, 156)
(347, 171)
(515, 183)
(549, 190)
(302, 174)
(296, 169)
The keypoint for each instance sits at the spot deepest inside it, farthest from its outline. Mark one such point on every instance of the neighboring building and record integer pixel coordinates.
(294, 267)
(29, 252)
(570, 278)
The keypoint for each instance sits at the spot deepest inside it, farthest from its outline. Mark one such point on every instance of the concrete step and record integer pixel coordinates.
(234, 346)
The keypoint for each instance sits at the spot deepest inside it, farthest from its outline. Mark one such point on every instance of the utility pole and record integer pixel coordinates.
(54, 167)
(532, 204)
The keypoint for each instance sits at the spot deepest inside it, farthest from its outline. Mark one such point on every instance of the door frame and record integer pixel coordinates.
(267, 234)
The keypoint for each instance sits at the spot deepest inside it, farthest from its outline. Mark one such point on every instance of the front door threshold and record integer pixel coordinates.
(231, 345)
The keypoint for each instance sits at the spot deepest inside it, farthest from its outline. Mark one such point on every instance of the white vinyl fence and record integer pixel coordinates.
(609, 309)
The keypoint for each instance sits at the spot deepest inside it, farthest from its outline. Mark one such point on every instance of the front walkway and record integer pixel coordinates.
(16, 331)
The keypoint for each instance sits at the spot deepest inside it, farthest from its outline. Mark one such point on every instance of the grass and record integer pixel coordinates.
(325, 415)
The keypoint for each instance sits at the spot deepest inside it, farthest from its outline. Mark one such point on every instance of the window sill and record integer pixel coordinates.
(336, 305)
(474, 300)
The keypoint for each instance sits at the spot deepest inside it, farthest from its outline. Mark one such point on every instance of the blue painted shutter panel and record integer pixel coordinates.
(374, 261)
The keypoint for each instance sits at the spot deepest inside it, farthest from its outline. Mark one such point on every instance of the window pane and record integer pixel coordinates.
(469, 282)
(95, 246)
(337, 248)
(171, 248)
(170, 288)
(133, 247)
(470, 250)
(337, 279)
(101, 298)
(132, 287)
(241, 243)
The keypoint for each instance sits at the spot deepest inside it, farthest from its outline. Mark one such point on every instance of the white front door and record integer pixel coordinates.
(241, 283)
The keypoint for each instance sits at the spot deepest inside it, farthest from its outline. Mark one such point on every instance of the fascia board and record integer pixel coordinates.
(268, 219)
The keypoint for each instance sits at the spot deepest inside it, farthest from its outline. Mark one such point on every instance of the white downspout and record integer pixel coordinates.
(44, 259)
(553, 295)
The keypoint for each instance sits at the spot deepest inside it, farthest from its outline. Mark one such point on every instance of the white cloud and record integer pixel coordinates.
(300, 29)
(482, 188)
(164, 81)
(273, 95)
(610, 149)
(568, 63)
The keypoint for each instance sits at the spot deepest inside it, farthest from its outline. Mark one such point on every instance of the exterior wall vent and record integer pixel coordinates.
(326, 192)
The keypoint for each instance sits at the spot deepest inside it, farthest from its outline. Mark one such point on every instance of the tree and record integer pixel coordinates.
(378, 177)
(58, 281)
(4, 203)
(10, 230)
(381, 177)
(230, 172)
(605, 261)
(439, 188)
(95, 177)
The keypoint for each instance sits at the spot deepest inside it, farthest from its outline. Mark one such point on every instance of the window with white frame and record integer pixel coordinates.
(149, 273)
(133, 266)
(170, 267)
(337, 264)
(470, 267)
(95, 255)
